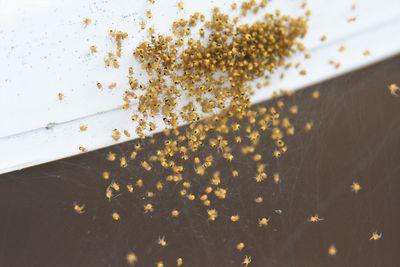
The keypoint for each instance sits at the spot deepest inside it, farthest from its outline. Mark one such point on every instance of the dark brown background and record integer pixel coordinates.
(356, 137)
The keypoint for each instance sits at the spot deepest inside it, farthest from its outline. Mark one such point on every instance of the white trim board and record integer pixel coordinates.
(53, 129)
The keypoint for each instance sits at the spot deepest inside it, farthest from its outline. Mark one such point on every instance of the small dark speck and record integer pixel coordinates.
(50, 126)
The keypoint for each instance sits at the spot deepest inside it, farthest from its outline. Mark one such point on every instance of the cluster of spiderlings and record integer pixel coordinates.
(191, 79)
(201, 76)
(205, 83)
(194, 176)
(112, 58)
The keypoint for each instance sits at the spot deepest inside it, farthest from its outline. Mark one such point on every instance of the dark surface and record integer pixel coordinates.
(356, 137)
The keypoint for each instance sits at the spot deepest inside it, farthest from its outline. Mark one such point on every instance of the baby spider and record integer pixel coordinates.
(276, 178)
(246, 261)
(238, 139)
(93, 49)
(149, 15)
(375, 236)
(148, 208)
(394, 89)
(83, 127)
(131, 258)
(240, 246)
(161, 241)
(235, 127)
(259, 200)
(87, 22)
(123, 162)
(115, 186)
(260, 177)
(137, 146)
(79, 208)
(145, 165)
(308, 126)
(115, 216)
(111, 156)
(263, 222)
(277, 154)
(316, 94)
(106, 175)
(60, 96)
(109, 194)
(129, 187)
(235, 218)
(314, 218)
(174, 213)
(112, 85)
(142, 25)
(355, 187)
(200, 170)
(332, 251)
(139, 183)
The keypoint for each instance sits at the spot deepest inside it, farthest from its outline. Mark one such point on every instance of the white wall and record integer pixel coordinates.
(44, 50)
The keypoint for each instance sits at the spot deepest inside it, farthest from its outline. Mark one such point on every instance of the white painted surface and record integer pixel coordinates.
(44, 50)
